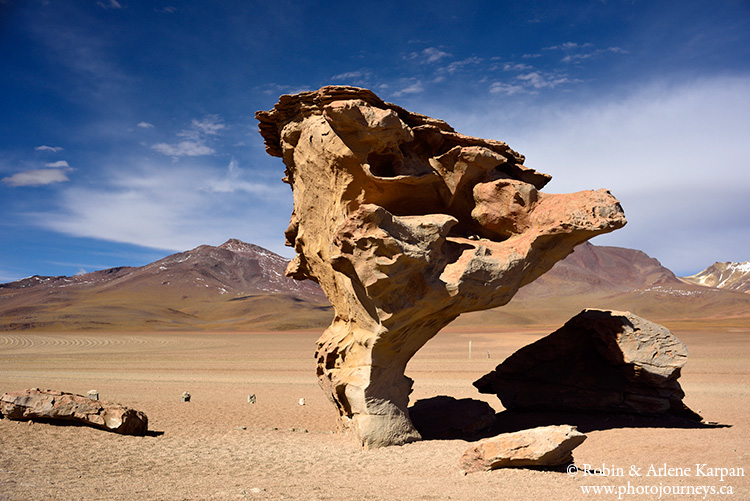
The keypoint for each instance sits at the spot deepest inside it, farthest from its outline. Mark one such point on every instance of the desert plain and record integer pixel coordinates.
(220, 446)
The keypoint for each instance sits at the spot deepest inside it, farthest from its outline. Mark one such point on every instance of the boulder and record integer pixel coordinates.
(600, 360)
(546, 446)
(61, 407)
(406, 224)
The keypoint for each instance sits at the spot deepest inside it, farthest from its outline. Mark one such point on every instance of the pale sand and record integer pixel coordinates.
(288, 451)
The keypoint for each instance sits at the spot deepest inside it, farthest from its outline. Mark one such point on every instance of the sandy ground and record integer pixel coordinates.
(219, 446)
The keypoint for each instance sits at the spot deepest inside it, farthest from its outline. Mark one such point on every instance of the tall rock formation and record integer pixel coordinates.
(406, 224)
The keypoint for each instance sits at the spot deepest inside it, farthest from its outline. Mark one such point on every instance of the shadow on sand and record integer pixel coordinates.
(63, 423)
(446, 418)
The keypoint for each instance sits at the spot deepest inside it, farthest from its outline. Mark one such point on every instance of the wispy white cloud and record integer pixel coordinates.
(456, 66)
(53, 149)
(530, 82)
(183, 149)
(579, 52)
(538, 80)
(414, 87)
(359, 77)
(234, 181)
(517, 67)
(428, 55)
(274, 89)
(196, 137)
(58, 164)
(568, 46)
(570, 58)
(110, 4)
(507, 88)
(172, 207)
(209, 125)
(145, 125)
(36, 177)
(349, 75)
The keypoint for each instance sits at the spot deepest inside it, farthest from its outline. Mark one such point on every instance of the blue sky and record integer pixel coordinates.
(127, 129)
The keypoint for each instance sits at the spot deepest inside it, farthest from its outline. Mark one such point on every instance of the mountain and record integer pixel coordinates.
(234, 285)
(730, 276)
(618, 279)
(240, 286)
(602, 269)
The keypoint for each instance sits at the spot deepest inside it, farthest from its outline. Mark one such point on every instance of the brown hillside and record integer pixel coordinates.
(240, 286)
(233, 286)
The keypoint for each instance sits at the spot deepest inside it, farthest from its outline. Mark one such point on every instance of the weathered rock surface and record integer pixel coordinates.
(405, 224)
(600, 360)
(538, 447)
(59, 406)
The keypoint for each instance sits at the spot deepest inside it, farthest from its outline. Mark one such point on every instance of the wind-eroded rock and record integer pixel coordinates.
(406, 224)
(538, 447)
(601, 361)
(59, 406)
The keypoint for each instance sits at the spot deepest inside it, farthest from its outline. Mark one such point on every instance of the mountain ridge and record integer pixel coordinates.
(728, 275)
(242, 286)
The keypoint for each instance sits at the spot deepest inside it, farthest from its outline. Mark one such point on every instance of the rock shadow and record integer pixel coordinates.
(513, 420)
(447, 418)
(64, 423)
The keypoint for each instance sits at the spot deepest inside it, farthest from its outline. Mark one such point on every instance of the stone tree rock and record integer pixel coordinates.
(405, 224)
(59, 406)
(600, 360)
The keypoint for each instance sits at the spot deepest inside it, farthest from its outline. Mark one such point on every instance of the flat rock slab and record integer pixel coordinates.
(546, 446)
(61, 407)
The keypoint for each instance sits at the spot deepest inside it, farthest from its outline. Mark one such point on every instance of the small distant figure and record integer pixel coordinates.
(185, 397)
(302, 401)
(93, 394)
(488, 353)
(251, 399)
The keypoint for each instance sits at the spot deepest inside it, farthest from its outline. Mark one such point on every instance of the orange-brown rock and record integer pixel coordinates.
(545, 446)
(61, 407)
(406, 224)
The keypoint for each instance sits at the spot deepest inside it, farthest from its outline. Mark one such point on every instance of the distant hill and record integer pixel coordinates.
(618, 279)
(603, 270)
(235, 285)
(240, 286)
(730, 276)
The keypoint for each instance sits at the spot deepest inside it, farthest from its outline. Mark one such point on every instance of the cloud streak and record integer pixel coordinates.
(36, 177)
(58, 164)
(53, 149)
(172, 207)
(196, 137)
(428, 56)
